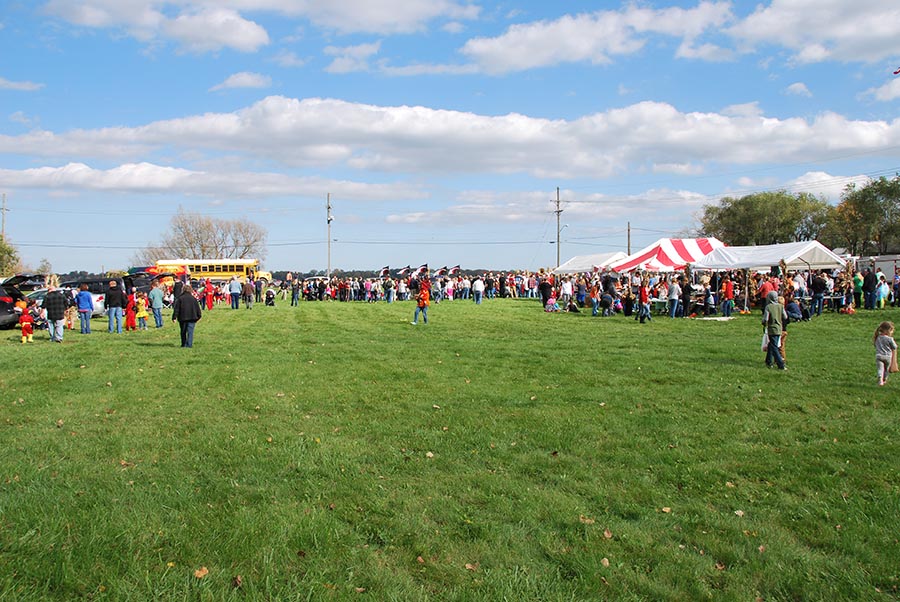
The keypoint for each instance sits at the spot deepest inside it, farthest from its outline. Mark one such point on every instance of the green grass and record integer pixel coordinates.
(321, 449)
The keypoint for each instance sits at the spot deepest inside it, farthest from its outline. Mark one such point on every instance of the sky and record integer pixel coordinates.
(442, 129)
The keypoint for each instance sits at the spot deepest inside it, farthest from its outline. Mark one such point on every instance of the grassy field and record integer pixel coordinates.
(336, 452)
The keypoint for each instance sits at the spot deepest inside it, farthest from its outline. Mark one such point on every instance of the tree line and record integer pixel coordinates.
(866, 220)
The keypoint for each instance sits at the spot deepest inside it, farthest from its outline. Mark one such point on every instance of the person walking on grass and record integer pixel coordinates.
(423, 300)
(774, 318)
(187, 312)
(885, 350)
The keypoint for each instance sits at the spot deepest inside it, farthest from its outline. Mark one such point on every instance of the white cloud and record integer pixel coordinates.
(798, 89)
(351, 58)
(402, 139)
(821, 183)
(594, 37)
(214, 29)
(453, 27)
(6, 84)
(244, 79)
(147, 20)
(818, 30)
(748, 109)
(150, 178)
(21, 117)
(286, 58)
(889, 91)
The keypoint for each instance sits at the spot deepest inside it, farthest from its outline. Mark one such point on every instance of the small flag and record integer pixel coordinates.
(454, 270)
(385, 271)
(404, 271)
(421, 270)
(440, 271)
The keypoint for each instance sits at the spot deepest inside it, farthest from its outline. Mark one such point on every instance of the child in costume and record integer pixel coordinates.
(26, 321)
(141, 314)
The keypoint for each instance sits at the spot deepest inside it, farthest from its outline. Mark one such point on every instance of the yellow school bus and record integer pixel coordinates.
(217, 270)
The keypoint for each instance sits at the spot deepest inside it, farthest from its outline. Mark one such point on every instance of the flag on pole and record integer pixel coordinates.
(440, 271)
(404, 271)
(422, 269)
(454, 270)
(385, 271)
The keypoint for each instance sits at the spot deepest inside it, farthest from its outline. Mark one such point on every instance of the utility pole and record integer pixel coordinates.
(629, 238)
(558, 212)
(3, 211)
(330, 218)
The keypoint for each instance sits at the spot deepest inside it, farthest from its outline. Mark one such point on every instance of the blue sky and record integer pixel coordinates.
(441, 128)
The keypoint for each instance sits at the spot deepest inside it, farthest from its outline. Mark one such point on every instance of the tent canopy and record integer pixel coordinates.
(807, 255)
(797, 255)
(588, 263)
(667, 255)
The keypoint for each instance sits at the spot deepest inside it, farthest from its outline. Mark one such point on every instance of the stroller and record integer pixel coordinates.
(270, 297)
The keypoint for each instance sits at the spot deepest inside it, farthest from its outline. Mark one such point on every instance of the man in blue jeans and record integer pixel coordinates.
(234, 290)
(155, 296)
(115, 303)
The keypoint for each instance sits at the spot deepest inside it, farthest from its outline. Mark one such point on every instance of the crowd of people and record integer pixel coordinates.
(801, 295)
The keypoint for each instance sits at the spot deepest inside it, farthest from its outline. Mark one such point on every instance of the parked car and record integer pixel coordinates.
(9, 294)
(96, 286)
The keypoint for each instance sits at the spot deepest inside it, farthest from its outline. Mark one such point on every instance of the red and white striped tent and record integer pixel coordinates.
(667, 255)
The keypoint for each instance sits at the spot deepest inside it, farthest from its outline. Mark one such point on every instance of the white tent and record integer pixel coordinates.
(588, 263)
(667, 255)
(807, 255)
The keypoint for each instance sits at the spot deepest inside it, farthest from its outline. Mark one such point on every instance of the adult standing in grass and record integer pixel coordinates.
(155, 296)
(234, 290)
(478, 289)
(55, 306)
(774, 318)
(115, 302)
(84, 301)
(188, 312)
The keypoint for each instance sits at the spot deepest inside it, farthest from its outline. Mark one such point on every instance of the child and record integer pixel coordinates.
(26, 321)
(423, 300)
(141, 314)
(885, 350)
(130, 312)
(552, 305)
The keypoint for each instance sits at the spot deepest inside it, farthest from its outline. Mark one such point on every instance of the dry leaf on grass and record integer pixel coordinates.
(420, 560)
(739, 513)
(360, 590)
(604, 561)
(201, 572)
(607, 534)
(585, 520)
(237, 581)
(429, 454)
(471, 567)
(720, 566)
(666, 509)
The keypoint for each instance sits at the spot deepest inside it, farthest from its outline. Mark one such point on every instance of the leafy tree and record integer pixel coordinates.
(44, 267)
(9, 258)
(192, 235)
(867, 220)
(765, 218)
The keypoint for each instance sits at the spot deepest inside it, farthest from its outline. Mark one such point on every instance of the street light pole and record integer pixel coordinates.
(329, 218)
